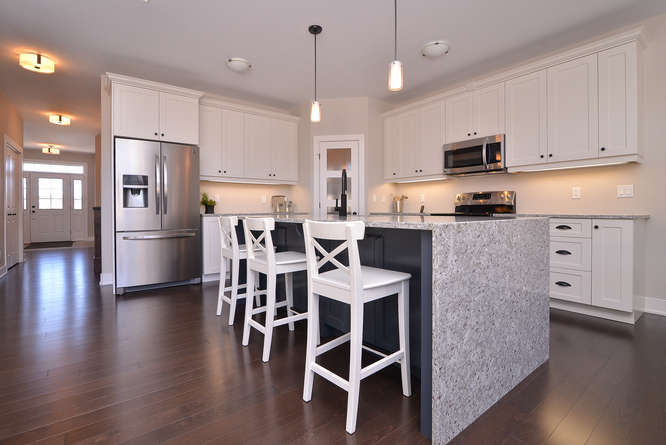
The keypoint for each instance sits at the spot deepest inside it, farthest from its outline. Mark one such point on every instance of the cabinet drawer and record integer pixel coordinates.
(571, 253)
(571, 285)
(579, 228)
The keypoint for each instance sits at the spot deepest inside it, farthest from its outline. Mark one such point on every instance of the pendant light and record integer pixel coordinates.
(315, 112)
(395, 68)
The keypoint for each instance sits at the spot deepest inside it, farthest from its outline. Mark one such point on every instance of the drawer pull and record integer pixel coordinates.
(563, 284)
(563, 227)
(562, 252)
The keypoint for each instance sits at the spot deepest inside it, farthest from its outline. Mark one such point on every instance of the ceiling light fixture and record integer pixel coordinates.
(51, 150)
(315, 112)
(37, 63)
(395, 68)
(435, 48)
(59, 119)
(238, 64)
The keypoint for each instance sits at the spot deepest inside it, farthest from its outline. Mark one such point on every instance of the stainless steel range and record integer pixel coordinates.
(483, 204)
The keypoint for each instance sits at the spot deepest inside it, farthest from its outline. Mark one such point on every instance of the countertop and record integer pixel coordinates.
(544, 215)
(391, 221)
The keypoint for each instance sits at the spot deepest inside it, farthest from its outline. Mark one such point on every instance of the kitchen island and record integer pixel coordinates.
(479, 317)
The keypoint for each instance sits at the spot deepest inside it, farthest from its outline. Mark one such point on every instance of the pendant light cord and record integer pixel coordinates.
(315, 67)
(395, 30)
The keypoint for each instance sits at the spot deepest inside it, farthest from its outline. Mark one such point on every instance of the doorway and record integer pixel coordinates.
(332, 154)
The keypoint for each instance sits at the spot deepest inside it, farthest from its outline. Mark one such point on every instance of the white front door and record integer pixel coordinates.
(49, 207)
(12, 175)
(333, 157)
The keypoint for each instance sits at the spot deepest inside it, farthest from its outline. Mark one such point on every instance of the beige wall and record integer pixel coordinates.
(551, 191)
(88, 159)
(246, 198)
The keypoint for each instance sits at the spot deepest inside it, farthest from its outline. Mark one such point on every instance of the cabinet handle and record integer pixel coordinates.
(562, 252)
(596, 227)
(219, 171)
(225, 171)
(475, 133)
(162, 134)
(563, 284)
(563, 227)
(603, 148)
(550, 155)
(469, 134)
(541, 156)
(420, 170)
(155, 133)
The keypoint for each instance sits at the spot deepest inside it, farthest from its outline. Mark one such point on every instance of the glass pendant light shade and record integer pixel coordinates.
(395, 76)
(315, 112)
(37, 63)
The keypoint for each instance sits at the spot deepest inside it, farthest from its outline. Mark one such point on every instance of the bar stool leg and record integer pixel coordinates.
(270, 315)
(235, 263)
(355, 350)
(403, 334)
(249, 297)
(223, 284)
(257, 297)
(289, 292)
(311, 344)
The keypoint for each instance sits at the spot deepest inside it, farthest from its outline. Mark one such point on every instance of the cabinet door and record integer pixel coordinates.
(526, 126)
(613, 264)
(572, 110)
(459, 122)
(431, 159)
(489, 111)
(211, 245)
(233, 149)
(391, 147)
(179, 119)
(618, 101)
(410, 129)
(136, 112)
(257, 147)
(210, 141)
(284, 150)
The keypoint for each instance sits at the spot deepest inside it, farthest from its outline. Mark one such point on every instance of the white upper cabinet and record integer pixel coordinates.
(489, 111)
(526, 120)
(257, 147)
(391, 148)
(612, 264)
(409, 143)
(136, 112)
(210, 141)
(284, 156)
(233, 137)
(148, 113)
(431, 153)
(475, 114)
(179, 118)
(618, 101)
(572, 110)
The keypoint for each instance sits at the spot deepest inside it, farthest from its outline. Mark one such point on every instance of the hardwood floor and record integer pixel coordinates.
(78, 365)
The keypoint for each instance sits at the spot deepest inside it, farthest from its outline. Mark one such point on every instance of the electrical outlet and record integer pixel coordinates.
(264, 199)
(374, 198)
(575, 193)
(422, 198)
(625, 191)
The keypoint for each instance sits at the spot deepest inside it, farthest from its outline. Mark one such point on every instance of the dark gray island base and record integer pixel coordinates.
(478, 306)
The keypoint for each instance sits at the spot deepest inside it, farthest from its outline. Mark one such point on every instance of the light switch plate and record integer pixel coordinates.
(422, 198)
(575, 193)
(374, 198)
(625, 191)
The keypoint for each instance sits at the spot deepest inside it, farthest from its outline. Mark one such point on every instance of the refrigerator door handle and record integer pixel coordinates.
(163, 236)
(157, 184)
(165, 185)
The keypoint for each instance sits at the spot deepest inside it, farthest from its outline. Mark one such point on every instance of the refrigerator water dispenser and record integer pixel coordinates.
(135, 191)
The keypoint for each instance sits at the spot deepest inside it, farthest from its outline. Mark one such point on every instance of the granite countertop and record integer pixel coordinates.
(544, 215)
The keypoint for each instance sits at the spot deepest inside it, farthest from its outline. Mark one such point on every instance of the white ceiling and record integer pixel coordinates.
(185, 43)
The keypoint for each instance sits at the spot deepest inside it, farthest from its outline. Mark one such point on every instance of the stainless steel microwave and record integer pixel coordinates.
(481, 155)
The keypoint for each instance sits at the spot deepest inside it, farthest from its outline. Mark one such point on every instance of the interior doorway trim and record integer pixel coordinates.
(9, 144)
(317, 140)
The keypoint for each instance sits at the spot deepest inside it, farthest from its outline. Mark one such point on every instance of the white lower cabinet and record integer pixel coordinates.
(592, 265)
(210, 238)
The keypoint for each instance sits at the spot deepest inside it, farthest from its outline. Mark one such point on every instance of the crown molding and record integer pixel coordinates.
(227, 105)
(143, 83)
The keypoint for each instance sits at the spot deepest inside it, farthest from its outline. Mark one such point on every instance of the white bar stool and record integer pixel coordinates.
(354, 285)
(262, 258)
(231, 252)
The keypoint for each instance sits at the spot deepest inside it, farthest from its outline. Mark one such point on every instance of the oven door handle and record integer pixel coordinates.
(484, 155)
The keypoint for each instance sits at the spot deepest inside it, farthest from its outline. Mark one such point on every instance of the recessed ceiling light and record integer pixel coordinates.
(59, 119)
(51, 149)
(435, 48)
(37, 63)
(238, 64)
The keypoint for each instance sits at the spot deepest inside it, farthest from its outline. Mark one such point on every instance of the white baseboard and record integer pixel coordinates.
(210, 277)
(105, 279)
(653, 305)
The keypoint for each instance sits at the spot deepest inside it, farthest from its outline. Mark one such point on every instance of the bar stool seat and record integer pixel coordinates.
(371, 277)
(282, 258)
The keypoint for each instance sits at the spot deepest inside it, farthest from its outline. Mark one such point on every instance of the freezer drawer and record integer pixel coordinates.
(144, 258)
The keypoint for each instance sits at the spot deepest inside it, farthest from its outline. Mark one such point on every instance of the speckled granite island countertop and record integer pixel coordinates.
(479, 304)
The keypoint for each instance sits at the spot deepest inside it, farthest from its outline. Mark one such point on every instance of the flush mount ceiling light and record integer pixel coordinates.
(435, 48)
(37, 63)
(238, 64)
(315, 112)
(59, 119)
(395, 68)
(51, 149)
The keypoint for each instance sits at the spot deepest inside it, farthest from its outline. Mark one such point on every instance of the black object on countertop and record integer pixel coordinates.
(342, 211)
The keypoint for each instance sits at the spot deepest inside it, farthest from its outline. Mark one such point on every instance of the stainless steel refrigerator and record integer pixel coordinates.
(157, 228)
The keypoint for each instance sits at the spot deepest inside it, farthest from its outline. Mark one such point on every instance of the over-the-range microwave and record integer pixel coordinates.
(481, 155)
